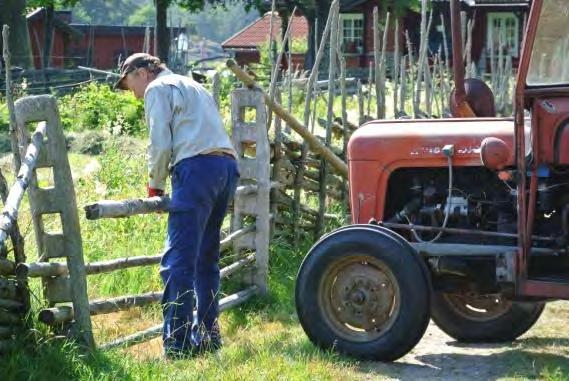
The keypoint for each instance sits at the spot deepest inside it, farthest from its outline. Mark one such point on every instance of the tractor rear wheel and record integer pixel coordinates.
(483, 318)
(362, 292)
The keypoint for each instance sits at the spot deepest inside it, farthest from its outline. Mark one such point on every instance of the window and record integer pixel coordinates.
(352, 32)
(503, 31)
(549, 64)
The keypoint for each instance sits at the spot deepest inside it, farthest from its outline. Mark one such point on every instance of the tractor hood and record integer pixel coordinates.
(417, 143)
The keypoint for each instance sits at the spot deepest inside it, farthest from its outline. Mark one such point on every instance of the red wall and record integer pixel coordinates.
(37, 37)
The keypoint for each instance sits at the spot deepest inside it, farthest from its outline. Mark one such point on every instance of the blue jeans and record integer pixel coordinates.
(202, 187)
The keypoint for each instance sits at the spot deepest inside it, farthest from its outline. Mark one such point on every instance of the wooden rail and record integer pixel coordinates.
(10, 212)
(61, 314)
(54, 269)
(224, 304)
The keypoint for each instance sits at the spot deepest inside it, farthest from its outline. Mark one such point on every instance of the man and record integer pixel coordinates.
(187, 141)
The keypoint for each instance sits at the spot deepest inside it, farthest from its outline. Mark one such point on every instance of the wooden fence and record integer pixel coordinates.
(60, 265)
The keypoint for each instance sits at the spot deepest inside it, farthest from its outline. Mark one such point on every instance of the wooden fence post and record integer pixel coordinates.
(253, 170)
(58, 201)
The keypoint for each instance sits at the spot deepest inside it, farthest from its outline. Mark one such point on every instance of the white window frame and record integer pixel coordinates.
(503, 16)
(350, 36)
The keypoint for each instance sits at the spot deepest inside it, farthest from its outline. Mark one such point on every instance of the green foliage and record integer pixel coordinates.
(98, 107)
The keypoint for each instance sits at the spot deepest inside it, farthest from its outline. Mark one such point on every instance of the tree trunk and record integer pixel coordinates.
(315, 30)
(162, 36)
(12, 13)
(48, 36)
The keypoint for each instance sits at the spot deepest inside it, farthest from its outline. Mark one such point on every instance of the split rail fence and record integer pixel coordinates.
(60, 265)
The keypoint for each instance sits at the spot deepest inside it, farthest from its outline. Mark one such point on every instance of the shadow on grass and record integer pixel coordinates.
(520, 362)
(459, 366)
(58, 360)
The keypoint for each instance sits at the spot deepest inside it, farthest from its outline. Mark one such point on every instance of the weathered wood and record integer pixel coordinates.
(11, 305)
(411, 68)
(360, 95)
(6, 332)
(276, 68)
(8, 289)
(9, 98)
(18, 189)
(58, 290)
(105, 306)
(216, 89)
(125, 208)
(403, 87)
(376, 60)
(45, 269)
(150, 333)
(10, 318)
(63, 200)
(62, 314)
(234, 267)
(329, 117)
(396, 62)
(310, 89)
(56, 315)
(7, 267)
(421, 61)
(313, 142)
(383, 68)
(7, 346)
(41, 269)
(15, 236)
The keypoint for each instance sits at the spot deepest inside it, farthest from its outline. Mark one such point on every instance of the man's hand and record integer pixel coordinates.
(153, 192)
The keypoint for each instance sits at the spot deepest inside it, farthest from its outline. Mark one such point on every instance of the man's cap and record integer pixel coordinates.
(133, 62)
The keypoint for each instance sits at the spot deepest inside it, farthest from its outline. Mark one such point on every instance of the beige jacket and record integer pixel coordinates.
(183, 121)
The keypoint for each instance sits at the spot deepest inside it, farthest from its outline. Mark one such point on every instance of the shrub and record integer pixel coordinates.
(98, 107)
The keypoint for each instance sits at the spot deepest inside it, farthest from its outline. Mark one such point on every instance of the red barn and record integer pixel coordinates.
(491, 18)
(98, 46)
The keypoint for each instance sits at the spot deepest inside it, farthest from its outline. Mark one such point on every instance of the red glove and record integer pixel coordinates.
(153, 192)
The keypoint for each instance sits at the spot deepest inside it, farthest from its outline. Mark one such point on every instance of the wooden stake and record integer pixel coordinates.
(396, 63)
(330, 117)
(360, 95)
(383, 69)
(276, 68)
(9, 98)
(310, 90)
(312, 141)
(376, 58)
(403, 82)
(10, 212)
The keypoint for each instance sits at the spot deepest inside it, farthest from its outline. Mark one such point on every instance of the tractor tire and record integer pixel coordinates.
(362, 292)
(483, 318)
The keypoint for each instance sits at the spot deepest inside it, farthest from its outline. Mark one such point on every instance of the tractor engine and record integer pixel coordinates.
(480, 200)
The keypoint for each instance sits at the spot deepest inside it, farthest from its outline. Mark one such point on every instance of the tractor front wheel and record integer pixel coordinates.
(483, 318)
(362, 292)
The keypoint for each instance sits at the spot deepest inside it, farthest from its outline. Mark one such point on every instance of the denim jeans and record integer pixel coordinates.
(202, 187)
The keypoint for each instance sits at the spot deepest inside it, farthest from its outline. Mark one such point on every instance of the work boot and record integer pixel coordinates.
(211, 341)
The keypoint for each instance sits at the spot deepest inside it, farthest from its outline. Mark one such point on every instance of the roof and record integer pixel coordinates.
(491, 3)
(59, 21)
(256, 33)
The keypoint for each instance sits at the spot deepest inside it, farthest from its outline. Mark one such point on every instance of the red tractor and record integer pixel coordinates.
(465, 221)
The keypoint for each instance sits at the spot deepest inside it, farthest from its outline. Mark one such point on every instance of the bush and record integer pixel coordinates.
(98, 107)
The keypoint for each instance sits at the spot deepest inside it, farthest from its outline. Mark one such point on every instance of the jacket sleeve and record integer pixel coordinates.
(158, 110)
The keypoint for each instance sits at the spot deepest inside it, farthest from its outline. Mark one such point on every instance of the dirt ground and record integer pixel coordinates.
(543, 352)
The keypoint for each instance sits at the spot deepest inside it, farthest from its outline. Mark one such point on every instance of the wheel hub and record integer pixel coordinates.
(363, 297)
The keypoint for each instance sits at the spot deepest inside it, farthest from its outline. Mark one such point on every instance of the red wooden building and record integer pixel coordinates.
(98, 46)
(245, 44)
(491, 18)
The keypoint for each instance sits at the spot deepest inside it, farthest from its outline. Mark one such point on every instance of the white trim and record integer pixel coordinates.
(503, 17)
(352, 34)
